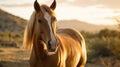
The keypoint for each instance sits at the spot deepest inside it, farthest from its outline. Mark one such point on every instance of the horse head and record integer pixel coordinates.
(45, 25)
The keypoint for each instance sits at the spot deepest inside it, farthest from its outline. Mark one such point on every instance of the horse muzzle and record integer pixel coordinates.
(52, 45)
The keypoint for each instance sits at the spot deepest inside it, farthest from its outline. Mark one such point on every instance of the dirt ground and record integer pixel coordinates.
(17, 57)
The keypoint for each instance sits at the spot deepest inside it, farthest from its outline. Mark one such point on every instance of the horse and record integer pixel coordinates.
(51, 47)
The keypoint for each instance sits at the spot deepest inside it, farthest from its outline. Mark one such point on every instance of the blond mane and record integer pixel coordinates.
(28, 33)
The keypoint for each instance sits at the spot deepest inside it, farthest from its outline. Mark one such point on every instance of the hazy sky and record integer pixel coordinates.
(93, 11)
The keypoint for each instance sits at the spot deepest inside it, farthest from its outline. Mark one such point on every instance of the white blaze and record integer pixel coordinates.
(48, 18)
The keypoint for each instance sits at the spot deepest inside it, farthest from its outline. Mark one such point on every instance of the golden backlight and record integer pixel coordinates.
(91, 11)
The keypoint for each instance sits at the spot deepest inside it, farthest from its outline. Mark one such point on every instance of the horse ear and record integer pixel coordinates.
(53, 5)
(36, 6)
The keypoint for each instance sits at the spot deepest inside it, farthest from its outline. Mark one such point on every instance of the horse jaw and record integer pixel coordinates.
(52, 53)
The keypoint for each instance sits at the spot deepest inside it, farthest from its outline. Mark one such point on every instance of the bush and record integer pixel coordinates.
(114, 47)
(105, 43)
(100, 48)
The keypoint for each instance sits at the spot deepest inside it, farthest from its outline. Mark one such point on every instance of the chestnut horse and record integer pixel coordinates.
(51, 47)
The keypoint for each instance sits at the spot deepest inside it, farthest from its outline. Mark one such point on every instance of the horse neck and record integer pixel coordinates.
(39, 48)
(41, 51)
(43, 56)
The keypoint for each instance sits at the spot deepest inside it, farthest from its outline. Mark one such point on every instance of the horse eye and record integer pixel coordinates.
(39, 21)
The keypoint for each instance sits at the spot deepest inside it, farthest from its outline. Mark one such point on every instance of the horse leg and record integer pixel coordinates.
(82, 66)
(62, 64)
(82, 62)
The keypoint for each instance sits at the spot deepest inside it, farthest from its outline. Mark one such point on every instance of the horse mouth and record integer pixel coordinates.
(51, 50)
(50, 47)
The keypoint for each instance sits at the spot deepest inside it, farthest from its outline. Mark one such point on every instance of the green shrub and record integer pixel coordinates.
(114, 47)
(100, 48)
(105, 43)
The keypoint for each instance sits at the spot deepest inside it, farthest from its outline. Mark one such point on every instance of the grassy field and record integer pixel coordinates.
(17, 57)
(13, 57)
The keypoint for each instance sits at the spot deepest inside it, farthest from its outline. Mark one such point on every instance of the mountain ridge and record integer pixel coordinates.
(84, 26)
(11, 23)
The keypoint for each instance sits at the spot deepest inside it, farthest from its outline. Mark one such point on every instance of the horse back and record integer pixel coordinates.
(70, 33)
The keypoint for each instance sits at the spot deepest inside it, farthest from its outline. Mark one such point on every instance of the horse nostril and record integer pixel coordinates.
(49, 45)
(42, 32)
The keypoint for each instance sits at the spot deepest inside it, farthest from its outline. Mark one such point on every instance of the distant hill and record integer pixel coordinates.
(11, 23)
(83, 26)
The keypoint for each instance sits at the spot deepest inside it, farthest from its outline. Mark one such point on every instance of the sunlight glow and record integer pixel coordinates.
(92, 14)
(71, 0)
(96, 14)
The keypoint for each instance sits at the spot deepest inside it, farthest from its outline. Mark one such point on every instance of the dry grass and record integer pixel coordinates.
(13, 54)
(17, 57)
(13, 57)
(110, 62)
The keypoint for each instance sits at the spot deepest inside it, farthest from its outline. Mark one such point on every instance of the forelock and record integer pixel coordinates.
(47, 9)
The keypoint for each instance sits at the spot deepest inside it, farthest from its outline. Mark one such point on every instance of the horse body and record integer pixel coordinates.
(68, 54)
(51, 48)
